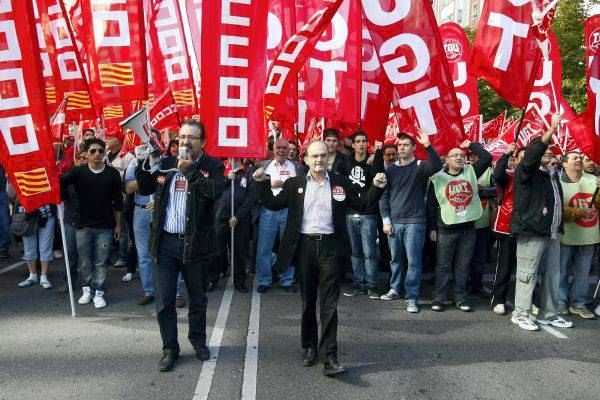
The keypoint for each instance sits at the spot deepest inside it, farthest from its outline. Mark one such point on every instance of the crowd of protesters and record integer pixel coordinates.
(442, 213)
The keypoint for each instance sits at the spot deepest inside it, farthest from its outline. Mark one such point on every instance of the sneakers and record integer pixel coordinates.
(179, 302)
(373, 294)
(127, 277)
(120, 264)
(87, 295)
(562, 310)
(464, 306)
(534, 310)
(58, 254)
(391, 295)
(525, 323)
(355, 292)
(32, 280)
(99, 301)
(597, 310)
(411, 306)
(436, 306)
(557, 322)
(499, 309)
(583, 312)
(45, 284)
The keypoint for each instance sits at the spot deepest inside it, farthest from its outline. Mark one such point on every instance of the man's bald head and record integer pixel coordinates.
(314, 146)
(316, 157)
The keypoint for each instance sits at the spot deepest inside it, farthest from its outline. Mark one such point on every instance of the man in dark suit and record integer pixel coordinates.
(315, 234)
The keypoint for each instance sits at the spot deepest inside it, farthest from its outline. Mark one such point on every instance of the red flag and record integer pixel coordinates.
(314, 132)
(458, 54)
(473, 127)
(194, 13)
(492, 129)
(542, 14)
(58, 127)
(410, 49)
(163, 113)
(505, 51)
(233, 77)
(131, 141)
(293, 55)
(591, 28)
(546, 91)
(116, 54)
(25, 149)
(507, 122)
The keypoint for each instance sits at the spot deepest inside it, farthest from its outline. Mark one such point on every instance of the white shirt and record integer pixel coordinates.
(280, 172)
(318, 213)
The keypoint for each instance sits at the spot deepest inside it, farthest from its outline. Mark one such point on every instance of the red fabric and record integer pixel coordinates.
(501, 222)
(233, 78)
(314, 132)
(25, 149)
(473, 128)
(163, 113)
(58, 127)
(591, 28)
(169, 56)
(458, 54)
(492, 129)
(410, 49)
(113, 37)
(509, 65)
(293, 55)
(194, 14)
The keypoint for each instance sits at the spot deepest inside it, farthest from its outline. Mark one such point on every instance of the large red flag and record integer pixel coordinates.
(473, 128)
(163, 113)
(293, 55)
(410, 49)
(458, 54)
(233, 77)
(591, 28)
(116, 53)
(25, 149)
(505, 51)
(492, 129)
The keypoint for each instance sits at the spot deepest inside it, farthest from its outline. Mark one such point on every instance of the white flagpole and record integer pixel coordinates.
(231, 160)
(61, 215)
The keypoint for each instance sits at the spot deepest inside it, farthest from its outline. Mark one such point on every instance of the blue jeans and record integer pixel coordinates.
(270, 224)
(93, 247)
(141, 229)
(71, 238)
(578, 260)
(363, 234)
(123, 243)
(4, 222)
(40, 242)
(407, 239)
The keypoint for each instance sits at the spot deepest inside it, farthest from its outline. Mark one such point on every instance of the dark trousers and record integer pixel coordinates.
(454, 249)
(132, 258)
(482, 236)
(506, 265)
(169, 264)
(240, 250)
(319, 272)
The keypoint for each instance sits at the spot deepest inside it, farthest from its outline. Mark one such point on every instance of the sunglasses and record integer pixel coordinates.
(94, 151)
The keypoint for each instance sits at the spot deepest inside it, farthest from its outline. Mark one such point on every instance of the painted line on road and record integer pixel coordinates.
(553, 332)
(251, 362)
(208, 367)
(11, 267)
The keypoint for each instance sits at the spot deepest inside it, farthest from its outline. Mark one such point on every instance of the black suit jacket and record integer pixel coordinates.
(292, 198)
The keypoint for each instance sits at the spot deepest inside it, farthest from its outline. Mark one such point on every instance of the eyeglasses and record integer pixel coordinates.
(316, 156)
(99, 151)
(184, 138)
(457, 156)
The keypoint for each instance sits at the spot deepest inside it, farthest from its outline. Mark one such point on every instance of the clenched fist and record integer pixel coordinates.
(259, 175)
(380, 180)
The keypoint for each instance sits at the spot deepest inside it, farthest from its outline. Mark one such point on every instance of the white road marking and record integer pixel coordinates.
(208, 367)
(553, 332)
(11, 267)
(251, 362)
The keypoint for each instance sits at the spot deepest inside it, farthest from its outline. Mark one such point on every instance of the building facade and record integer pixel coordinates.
(466, 13)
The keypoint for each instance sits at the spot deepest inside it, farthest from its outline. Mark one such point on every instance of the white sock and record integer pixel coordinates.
(33, 277)
(43, 278)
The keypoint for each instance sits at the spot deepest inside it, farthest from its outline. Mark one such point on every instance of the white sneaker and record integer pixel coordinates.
(29, 282)
(87, 295)
(499, 309)
(525, 323)
(120, 264)
(557, 322)
(391, 295)
(127, 277)
(597, 310)
(46, 284)
(99, 301)
(411, 306)
(534, 310)
(58, 254)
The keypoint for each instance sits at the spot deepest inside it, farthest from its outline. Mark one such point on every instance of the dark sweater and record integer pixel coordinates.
(98, 195)
(403, 201)
(361, 176)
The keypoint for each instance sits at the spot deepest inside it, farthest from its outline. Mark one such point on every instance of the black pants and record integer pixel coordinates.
(132, 258)
(482, 236)
(505, 266)
(169, 264)
(319, 272)
(240, 249)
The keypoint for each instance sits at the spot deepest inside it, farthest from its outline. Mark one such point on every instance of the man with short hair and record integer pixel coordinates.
(182, 238)
(271, 223)
(362, 224)
(315, 235)
(293, 154)
(581, 234)
(537, 223)
(589, 166)
(98, 189)
(335, 158)
(390, 155)
(454, 207)
(403, 210)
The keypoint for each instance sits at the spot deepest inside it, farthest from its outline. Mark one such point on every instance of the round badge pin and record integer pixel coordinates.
(300, 190)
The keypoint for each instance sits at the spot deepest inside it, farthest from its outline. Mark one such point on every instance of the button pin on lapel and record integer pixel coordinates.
(300, 190)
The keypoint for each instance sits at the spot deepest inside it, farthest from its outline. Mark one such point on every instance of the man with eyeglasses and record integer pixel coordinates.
(182, 238)
(453, 207)
(98, 190)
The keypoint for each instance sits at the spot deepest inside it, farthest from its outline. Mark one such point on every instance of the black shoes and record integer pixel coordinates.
(211, 286)
(290, 289)
(262, 288)
(3, 253)
(309, 358)
(202, 353)
(241, 287)
(167, 362)
(333, 367)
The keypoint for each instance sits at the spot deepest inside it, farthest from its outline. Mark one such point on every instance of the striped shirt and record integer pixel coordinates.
(177, 204)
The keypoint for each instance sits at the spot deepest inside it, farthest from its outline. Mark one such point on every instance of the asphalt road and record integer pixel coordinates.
(113, 353)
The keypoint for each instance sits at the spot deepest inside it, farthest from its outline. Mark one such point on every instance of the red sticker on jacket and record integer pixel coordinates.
(460, 194)
(582, 200)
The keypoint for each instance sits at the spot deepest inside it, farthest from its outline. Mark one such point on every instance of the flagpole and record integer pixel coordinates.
(520, 124)
(61, 214)
(231, 248)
